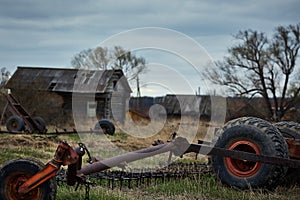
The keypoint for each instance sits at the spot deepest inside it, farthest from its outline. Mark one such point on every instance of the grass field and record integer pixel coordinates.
(198, 187)
(203, 187)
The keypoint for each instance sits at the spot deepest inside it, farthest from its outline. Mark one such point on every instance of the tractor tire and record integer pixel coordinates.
(106, 126)
(16, 172)
(251, 135)
(41, 122)
(290, 129)
(15, 124)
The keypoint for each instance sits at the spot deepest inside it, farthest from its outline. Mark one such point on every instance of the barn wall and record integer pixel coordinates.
(119, 101)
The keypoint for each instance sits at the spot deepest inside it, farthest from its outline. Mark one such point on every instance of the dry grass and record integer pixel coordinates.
(28, 141)
(139, 133)
(142, 131)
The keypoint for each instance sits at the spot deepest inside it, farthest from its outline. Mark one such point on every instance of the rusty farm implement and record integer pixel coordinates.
(246, 153)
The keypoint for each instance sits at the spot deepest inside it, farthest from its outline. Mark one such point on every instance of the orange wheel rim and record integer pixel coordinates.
(14, 181)
(243, 168)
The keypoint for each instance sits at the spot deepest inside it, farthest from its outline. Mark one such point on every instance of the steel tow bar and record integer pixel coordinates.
(241, 155)
(135, 155)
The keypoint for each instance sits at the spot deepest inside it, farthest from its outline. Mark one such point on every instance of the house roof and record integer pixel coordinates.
(65, 80)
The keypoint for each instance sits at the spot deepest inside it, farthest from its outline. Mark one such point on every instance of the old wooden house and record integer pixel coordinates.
(174, 105)
(53, 92)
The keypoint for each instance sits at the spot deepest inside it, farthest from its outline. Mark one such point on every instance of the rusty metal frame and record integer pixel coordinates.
(294, 147)
(66, 155)
(240, 155)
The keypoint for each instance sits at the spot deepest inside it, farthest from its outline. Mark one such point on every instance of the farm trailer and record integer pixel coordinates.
(246, 153)
(21, 120)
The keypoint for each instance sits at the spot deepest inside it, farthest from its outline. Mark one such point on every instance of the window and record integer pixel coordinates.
(115, 85)
(91, 108)
(52, 85)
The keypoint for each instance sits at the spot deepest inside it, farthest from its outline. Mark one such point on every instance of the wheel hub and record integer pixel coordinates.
(243, 168)
(13, 182)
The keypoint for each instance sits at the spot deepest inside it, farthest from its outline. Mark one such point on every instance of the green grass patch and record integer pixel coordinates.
(197, 187)
(65, 192)
(71, 137)
(121, 136)
(207, 187)
(12, 153)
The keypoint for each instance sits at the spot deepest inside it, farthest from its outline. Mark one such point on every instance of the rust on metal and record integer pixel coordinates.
(36, 180)
(16, 108)
(13, 182)
(241, 155)
(294, 147)
(181, 146)
(64, 155)
(243, 168)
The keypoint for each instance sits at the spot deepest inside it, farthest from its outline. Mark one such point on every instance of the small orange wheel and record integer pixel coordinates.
(12, 184)
(16, 172)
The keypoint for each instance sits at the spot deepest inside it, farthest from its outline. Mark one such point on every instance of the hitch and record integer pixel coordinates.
(72, 177)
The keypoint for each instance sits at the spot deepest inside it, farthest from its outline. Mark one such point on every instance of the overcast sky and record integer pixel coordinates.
(47, 33)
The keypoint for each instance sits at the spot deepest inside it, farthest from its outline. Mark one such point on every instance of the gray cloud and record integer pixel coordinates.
(49, 33)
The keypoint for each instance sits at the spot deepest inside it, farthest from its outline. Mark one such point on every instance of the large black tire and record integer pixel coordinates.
(106, 126)
(291, 130)
(41, 122)
(251, 135)
(15, 124)
(15, 172)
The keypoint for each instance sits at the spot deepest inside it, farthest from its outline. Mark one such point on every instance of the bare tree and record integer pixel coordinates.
(284, 52)
(116, 58)
(5, 75)
(131, 65)
(259, 66)
(97, 58)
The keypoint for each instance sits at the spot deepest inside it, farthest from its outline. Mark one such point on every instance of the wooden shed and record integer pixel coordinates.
(96, 91)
